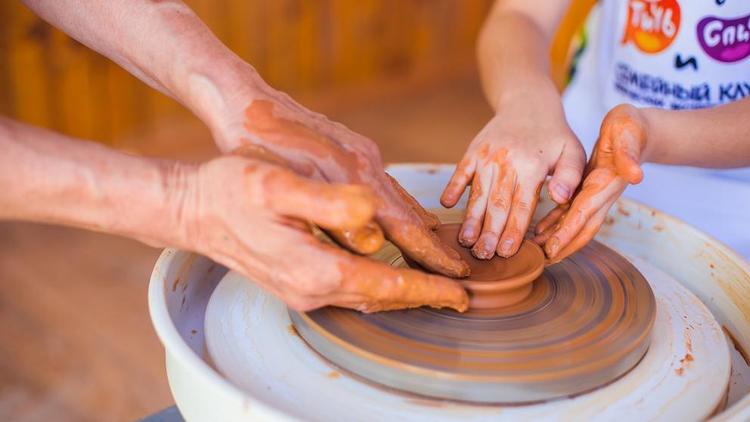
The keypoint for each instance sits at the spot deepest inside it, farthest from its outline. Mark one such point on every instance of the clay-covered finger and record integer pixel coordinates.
(363, 240)
(626, 158)
(521, 210)
(331, 206)
(585, 205)
(550, 219)
(421, 244)
(429, 219)
(459, 180)
(496, 213)
(475, 208)
(371, 286)
(587, 233)
(408, 232)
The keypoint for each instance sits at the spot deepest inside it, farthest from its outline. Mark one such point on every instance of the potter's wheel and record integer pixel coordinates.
(586, 322)
(251, 341)
(566, 337)
(238, 359)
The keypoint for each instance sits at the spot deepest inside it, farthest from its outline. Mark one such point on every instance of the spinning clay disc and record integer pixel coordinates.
(585, 322)
(496, 282)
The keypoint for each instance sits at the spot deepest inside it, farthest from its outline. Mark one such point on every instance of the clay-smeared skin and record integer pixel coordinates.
(166, 45)
(363, 240)
(237, 216)
(586, 322)
(614, 164)
(430, 220)
(248, 214)
(366, 285)
(318, 148)
(505, 166)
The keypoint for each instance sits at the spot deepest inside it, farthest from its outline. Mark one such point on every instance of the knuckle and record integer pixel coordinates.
(530, 167)
(523, 206)
(501, 203)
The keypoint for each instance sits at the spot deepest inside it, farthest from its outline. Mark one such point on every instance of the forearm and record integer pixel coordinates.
(49, 178)
(164, 44)
(513, 51)
(716, 137)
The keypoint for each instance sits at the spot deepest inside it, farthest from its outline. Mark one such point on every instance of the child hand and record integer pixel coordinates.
(614, 164)
(506, 165)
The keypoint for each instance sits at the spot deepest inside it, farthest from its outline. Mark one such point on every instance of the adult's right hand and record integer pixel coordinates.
(253, 217)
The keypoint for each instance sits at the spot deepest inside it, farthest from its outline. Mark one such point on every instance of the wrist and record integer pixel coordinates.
(650, 148)
(179, 205)
(144, 199)
(218, 94)
(531, 94)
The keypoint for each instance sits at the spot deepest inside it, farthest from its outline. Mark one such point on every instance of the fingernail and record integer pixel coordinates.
(480, 251)
(562, 191)
(506, 247)
(466, 235)
(551, 247)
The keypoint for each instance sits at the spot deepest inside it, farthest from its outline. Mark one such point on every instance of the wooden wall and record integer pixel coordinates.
(50, 80)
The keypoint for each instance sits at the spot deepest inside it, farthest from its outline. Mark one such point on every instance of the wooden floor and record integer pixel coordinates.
(77, 343)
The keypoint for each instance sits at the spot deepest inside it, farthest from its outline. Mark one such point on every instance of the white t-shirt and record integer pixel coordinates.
(672, 54)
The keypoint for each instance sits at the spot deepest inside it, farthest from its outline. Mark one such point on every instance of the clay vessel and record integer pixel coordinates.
(497, 282)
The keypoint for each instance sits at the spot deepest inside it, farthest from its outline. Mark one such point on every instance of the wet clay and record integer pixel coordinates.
(586, 322)
(499, 281)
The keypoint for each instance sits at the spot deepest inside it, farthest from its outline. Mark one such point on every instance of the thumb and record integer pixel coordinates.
(567, 173)
(627, 158)
(330, 206)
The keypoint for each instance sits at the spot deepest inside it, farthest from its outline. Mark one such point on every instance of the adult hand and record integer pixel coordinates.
(251, 216)
(614, 164)
(506, 165)
(319, 149)
(167, 46)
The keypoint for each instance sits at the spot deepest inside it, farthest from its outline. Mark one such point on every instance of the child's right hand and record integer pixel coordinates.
(614, 164)
(506, 164)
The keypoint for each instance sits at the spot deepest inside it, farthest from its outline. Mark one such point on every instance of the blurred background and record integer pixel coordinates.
(302, 47)
(77, 343)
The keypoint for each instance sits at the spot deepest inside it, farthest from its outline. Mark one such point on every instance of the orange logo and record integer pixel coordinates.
(652, 25)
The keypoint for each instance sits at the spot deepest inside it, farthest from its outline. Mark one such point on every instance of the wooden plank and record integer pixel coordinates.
(73, 97)
(297, 45)
(28, 67)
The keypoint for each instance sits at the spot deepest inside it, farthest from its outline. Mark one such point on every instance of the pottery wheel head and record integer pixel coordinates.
(584, 322)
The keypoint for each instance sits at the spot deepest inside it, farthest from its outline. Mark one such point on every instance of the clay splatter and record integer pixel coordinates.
(292, 330)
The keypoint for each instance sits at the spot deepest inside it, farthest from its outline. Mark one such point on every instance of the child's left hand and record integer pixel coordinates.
(614, 164)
